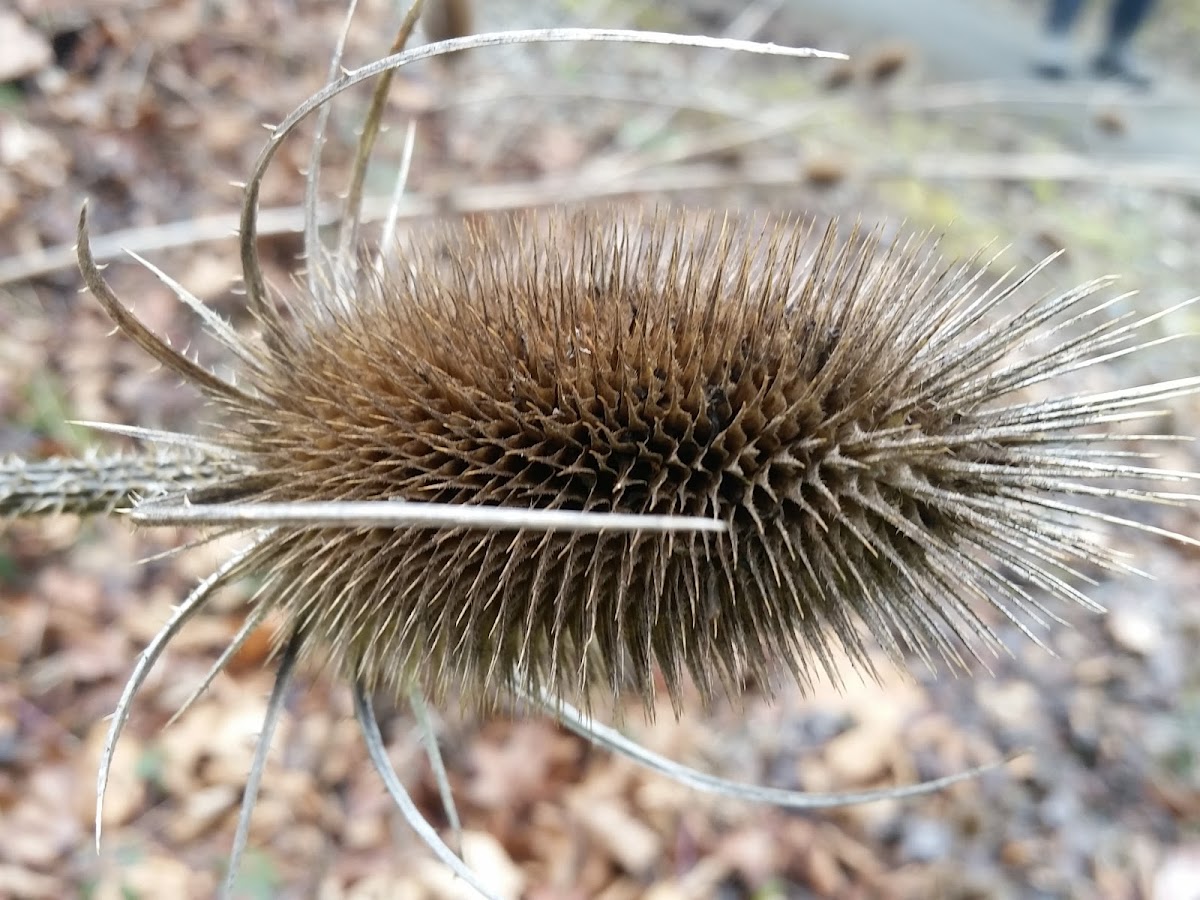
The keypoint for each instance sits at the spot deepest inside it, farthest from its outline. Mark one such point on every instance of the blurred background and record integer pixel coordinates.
(943, 121)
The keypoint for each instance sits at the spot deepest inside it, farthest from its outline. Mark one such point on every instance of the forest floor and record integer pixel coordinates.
(151, 110)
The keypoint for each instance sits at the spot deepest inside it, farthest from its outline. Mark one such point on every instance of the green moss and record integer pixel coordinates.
(150, 766)
(10, 97)
(257, 878)
(47, 412)
(959, 230)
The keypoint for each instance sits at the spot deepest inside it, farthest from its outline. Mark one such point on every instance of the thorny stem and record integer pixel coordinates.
(100, 483)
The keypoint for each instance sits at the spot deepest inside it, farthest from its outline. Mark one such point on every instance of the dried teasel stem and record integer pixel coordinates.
(99, 483)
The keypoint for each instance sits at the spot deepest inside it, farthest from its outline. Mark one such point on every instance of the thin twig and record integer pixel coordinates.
(777, 172)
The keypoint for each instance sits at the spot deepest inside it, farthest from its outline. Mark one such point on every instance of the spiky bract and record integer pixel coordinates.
(854, 413)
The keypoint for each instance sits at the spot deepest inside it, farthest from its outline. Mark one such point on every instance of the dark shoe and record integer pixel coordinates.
(1118, 66)
(1051, 71)
(1054, 61)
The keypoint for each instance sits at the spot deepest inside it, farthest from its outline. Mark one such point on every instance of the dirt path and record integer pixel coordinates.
(989, 41)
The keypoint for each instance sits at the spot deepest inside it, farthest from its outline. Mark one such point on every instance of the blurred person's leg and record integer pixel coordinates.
(1115, 59)
(1054, 58)
(1061, 15)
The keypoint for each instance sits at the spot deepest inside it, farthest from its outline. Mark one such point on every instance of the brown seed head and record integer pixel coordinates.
(838, 405)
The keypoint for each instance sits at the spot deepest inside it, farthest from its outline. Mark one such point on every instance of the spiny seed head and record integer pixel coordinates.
(851, 411)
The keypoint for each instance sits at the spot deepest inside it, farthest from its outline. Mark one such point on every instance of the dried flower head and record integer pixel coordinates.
(834, 406)
(544, 457)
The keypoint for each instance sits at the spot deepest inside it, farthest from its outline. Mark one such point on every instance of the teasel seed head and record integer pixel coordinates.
(839, 405)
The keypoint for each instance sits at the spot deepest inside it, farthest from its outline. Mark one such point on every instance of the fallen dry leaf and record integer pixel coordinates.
(26, 51)
(630, 842)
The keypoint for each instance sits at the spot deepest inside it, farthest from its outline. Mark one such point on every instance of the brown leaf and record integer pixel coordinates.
(26, 51)
(202, 809)
(514, 772)
(16, 881)
(628, 840)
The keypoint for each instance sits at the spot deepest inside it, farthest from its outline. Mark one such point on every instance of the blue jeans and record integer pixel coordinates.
(1125, 17)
